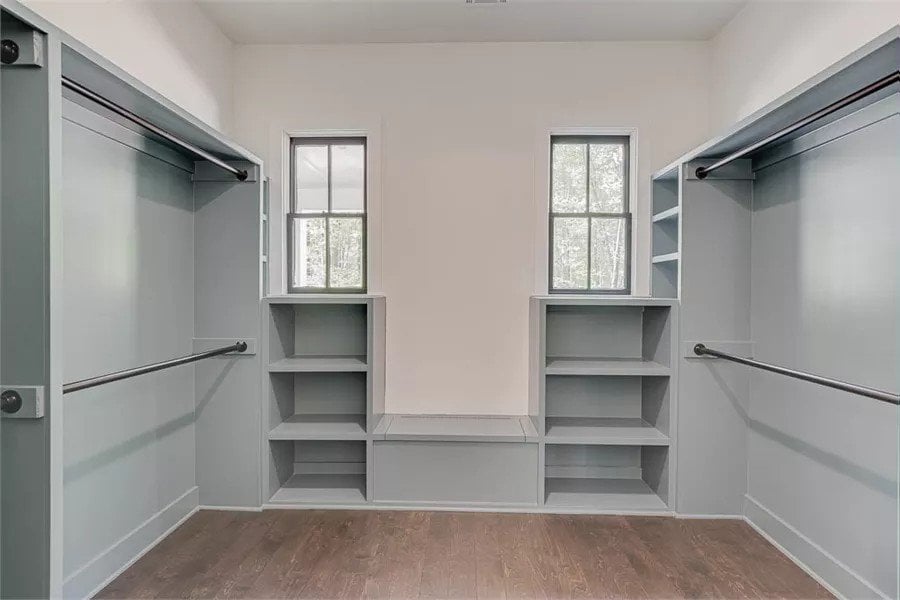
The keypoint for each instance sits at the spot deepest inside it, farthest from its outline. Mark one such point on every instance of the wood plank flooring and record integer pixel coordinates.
(392, 554)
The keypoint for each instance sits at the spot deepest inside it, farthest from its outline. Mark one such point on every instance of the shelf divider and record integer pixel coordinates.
(666, 258)
(667, 215)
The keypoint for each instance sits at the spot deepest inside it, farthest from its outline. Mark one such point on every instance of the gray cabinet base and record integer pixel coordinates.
(462, 473)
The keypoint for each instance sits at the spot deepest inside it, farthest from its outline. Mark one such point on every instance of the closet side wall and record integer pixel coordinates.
(128, 300)
(227, 388)
(715, 310)
(823, 463)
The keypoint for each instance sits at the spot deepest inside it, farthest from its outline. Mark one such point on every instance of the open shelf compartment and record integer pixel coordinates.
(318, 406)
(607, 410)
(608, 339)
(326, 337)
(317, 472)
(664, 277)
(607, 478)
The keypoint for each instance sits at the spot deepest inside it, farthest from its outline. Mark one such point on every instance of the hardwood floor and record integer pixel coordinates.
(389, 554)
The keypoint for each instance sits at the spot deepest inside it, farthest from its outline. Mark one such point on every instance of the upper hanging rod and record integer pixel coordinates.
(870, 89)
(119, 375)
(77, 87)
(702, 350)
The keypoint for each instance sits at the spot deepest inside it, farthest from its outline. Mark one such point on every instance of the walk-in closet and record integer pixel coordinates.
(434, 299)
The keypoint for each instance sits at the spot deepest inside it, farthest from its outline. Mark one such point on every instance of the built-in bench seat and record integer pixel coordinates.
(456, 428)
(456, 460)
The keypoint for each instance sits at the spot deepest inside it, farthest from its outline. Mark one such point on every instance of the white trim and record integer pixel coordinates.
(835, 576)
(55, 250)
(472, 507)
(542, 200)
(688, 517)
(231, 508)
(87, 577)
(279, 197)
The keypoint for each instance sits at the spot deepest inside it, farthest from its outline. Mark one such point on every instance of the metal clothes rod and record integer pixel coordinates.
(80, 89)
(127, 373)
(702, 350)
(870, 89)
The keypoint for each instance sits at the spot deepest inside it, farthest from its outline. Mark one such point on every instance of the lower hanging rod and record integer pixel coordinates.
(702, 350)
(127, 373)
(124, 112)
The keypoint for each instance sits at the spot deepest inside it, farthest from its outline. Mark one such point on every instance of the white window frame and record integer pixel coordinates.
(542, 203)
(280, 142)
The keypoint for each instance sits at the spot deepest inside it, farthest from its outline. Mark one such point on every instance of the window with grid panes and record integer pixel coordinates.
(327, 221)
(590, 221)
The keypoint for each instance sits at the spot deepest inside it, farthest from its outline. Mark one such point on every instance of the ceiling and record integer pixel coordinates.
(383, 21)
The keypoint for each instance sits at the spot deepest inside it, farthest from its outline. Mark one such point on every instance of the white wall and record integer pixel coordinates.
(771, 47)
(171, 46)
(463, 131)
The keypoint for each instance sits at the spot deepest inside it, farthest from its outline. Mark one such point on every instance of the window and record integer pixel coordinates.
(327, 222)
(590, 223)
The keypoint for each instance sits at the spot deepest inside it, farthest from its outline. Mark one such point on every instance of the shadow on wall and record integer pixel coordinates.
(835, 462)
(182, 32)
(171, 46)
(115, 453)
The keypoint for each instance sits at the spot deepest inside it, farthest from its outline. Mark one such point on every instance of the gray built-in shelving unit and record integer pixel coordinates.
(325, 368)
(597, 436)
(603, 386)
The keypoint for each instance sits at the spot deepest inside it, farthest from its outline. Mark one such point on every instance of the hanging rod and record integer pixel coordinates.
(870, 89)
(127, 373)
(80, 89)
(702, 350)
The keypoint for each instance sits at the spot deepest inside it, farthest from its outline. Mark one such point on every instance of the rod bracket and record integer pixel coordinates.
(699, 349)
(22, 402)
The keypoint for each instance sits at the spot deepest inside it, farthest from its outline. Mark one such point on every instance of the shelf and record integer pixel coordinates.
(602, 494)
(321, 427)
(604, 366)
(667, 215)
(319, 364)
(666, 258)
(322, 489)
(478, 428)
(617, 431)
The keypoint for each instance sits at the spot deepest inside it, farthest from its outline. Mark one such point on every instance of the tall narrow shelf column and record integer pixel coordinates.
(324, 355)
(605, 390)
(666, 237)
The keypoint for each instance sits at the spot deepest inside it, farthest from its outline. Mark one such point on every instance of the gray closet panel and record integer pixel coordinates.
(826, 292)
(127, 301)
(715, 306)
(227, 291)
(24, 295)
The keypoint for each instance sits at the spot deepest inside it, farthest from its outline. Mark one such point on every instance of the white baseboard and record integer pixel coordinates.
(468, 507)
(712, 517)
(109, 564)
(232, 508)
(836, 577)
